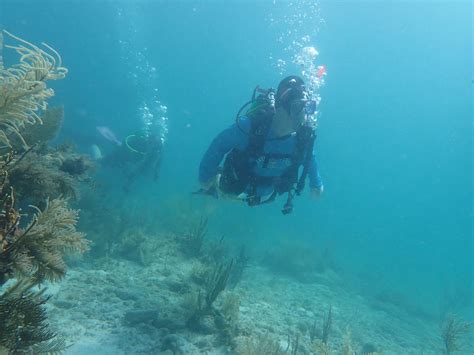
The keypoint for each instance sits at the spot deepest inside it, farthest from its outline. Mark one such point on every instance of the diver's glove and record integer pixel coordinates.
(209, 189)
(316, 192)
(209, 192)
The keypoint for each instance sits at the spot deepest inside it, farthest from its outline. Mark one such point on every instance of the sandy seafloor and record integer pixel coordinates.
(116, 306)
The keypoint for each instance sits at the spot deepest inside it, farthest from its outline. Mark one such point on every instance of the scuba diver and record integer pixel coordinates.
(268, 151)
(139, 153)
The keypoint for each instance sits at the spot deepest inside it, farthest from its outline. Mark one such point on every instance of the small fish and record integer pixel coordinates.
(107, 133)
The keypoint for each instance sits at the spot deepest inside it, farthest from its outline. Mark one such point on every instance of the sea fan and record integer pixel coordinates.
(23, 90)
(39, 252)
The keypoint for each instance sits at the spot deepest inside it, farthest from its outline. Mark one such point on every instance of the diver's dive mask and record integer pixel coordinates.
(306, 105)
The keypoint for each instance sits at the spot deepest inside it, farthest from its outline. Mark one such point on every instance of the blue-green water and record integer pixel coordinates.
(395, 126)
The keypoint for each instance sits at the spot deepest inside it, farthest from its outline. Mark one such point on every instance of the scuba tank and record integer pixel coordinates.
(237, 169)
(261, 107)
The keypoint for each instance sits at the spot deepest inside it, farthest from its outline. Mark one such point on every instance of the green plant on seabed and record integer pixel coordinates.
(455, 334)
(192, 242)
(215, 284)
